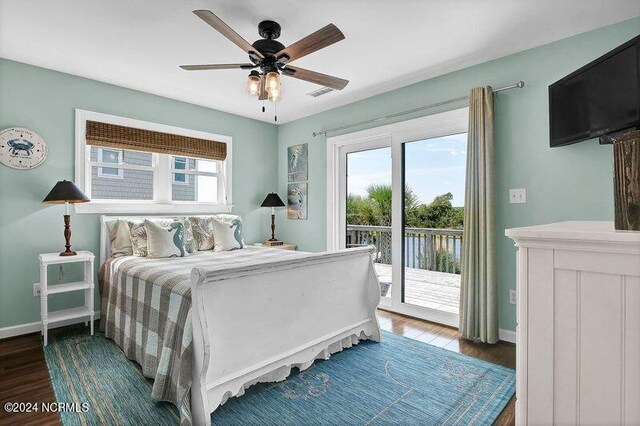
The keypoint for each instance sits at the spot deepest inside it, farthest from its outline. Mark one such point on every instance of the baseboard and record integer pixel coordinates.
(33, 327)
(507, 335)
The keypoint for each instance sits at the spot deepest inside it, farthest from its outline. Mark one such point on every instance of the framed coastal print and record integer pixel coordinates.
(297, 163)
(297, 201)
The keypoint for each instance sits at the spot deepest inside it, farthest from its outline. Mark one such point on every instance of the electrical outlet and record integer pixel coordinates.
(36, 289)
(513, 298)
(517, 196)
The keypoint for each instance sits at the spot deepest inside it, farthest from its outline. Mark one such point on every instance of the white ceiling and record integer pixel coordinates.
(140, 43)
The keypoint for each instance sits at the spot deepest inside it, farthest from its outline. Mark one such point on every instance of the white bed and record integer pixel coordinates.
(253, 322)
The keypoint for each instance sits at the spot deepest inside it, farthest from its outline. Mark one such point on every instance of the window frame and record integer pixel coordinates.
(101, 173)
(162, 168)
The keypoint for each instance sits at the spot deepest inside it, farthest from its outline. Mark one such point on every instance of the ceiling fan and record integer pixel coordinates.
(272, 58)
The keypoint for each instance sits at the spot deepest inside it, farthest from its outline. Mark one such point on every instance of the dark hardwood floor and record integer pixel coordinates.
(24, 376)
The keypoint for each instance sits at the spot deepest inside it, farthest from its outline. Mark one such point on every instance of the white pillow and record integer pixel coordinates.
(165, 240)
(120, 238)
(138, 234)
(227, 235)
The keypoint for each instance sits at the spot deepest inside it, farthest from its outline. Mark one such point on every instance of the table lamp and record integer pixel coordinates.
(66, 192)
(273, 200)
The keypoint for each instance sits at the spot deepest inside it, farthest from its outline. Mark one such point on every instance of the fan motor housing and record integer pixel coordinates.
(268, 47)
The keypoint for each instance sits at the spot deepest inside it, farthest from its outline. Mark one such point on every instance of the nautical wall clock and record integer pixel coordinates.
(22, 148)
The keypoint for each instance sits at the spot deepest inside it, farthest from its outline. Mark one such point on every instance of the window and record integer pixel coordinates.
(109, 156)
(199, 182)
(115, 183)
(143, 181)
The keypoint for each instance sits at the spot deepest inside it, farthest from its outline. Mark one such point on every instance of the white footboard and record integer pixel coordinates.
(254, 323)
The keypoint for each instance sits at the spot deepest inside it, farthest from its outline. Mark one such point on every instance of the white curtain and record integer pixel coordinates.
(479, 288)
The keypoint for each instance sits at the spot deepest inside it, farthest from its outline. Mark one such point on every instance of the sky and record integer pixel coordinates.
(433, 167)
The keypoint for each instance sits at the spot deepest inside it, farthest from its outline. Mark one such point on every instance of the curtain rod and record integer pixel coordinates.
(518, 85)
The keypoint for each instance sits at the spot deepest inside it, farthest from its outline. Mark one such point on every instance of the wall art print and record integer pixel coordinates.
(297, 201)
(298, 163)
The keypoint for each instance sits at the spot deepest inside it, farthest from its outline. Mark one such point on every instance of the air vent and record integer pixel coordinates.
(320, 92)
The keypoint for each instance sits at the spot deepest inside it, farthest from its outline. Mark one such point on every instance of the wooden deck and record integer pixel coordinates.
(430, 289)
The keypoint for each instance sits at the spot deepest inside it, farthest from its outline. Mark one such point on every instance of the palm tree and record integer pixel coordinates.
(376, 208)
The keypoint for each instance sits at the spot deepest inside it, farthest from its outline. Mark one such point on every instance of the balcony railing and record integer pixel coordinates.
(432, 249)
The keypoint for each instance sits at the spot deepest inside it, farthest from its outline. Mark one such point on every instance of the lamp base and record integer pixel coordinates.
(67, 237)
(273, 242)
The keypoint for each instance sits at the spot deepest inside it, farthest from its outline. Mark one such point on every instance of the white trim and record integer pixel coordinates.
(193, 172)
(33, 327)
(394, 136)
(150, 207)
(162, 177)
(123, 166)
(507, 335)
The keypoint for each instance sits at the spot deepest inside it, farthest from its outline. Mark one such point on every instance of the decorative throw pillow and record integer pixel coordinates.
(120, 238)
(227, 235)
(189, 241)
(202, 232)
(138, 238)
(165, 241)
(139, 234)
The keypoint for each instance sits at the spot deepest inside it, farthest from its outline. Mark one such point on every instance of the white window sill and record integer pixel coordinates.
(94, 207)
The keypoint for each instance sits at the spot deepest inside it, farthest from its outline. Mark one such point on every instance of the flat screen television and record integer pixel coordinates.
(601, 98)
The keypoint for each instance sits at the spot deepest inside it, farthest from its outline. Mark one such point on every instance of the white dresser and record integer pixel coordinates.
(578, 332)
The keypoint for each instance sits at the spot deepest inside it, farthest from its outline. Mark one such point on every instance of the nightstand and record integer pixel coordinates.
(67, 315)
(284, 246)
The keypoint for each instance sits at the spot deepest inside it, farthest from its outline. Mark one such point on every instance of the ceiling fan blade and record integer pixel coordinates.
(219, 25)
(315, 77)
(319, 40)
(216, 67)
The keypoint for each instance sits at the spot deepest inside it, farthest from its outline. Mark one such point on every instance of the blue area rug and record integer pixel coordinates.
(397, 382)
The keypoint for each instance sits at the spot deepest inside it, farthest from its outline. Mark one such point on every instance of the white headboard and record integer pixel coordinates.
(105, 243)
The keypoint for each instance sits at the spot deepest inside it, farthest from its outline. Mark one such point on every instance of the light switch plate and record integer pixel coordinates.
(513, 299)
(517, 196)
(36, 289)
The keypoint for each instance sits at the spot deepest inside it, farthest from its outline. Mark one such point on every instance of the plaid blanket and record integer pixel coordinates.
(146, 310)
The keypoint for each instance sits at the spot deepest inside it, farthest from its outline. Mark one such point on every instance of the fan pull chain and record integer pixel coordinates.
(275, 106)
(263, 108)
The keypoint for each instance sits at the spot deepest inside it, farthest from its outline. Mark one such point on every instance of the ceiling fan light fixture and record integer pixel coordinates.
(275, 95)
(268, 57)
(253, 83)
(272, 83)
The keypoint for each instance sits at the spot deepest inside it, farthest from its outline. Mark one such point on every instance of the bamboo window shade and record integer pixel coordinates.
(122, 137)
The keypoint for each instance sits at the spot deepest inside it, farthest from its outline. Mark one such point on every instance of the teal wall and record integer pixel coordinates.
(44, 101)
(569, 183)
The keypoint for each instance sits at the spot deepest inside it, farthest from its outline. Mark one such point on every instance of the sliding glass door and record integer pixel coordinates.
(400, 189)
(433, 173)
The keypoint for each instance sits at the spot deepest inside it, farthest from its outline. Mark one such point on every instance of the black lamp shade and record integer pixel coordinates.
(65, 192)
(272, 200)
